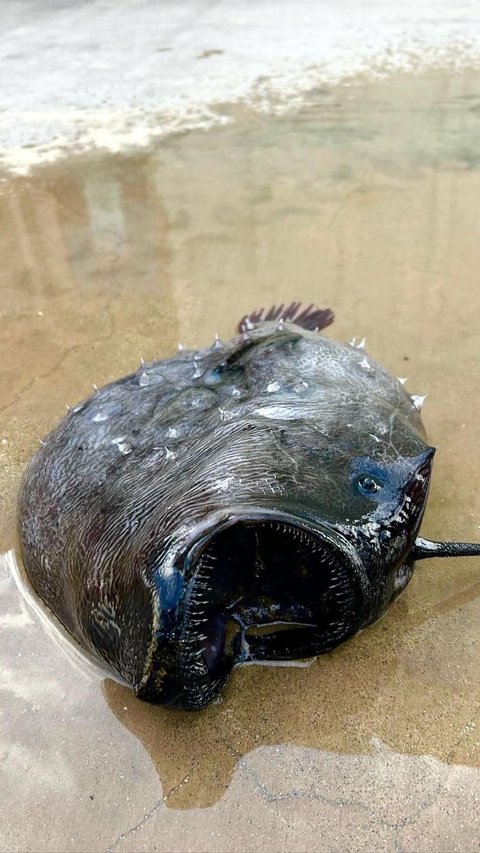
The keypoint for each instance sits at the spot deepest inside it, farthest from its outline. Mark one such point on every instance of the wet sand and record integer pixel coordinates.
(365, 201)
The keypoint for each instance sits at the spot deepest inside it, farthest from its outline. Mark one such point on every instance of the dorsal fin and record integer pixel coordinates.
(308, 317)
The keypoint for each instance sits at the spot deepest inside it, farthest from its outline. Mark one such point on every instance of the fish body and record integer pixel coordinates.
(257, 500)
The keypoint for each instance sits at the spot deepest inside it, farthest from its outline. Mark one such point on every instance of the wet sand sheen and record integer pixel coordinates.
(366, 201)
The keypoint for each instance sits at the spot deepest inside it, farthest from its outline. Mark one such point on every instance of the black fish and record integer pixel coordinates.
(255, 501)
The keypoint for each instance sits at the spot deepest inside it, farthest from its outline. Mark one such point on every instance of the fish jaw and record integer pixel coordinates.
(257, 586)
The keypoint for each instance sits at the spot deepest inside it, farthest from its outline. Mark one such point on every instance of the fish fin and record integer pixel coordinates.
(307, 317)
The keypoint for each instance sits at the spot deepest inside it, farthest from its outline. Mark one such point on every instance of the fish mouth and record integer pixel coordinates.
(265, 588)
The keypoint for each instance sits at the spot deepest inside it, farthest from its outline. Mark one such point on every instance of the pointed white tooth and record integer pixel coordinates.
(68, 407)
(180, 347)
(353, 342)
(402, 379)
(362, 344)
(142, 362)
(217, 344)
(418, 400)
(248, 324)
(95, 387)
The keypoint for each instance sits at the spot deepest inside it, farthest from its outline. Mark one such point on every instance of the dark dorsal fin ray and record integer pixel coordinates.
(306, 316)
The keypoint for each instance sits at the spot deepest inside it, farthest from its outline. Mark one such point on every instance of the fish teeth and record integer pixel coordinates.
(180, 347)
(217, 344)
(402, 379)
(280, 324)
(418, 400)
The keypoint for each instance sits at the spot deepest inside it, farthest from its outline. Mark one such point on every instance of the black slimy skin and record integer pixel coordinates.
(258, 500)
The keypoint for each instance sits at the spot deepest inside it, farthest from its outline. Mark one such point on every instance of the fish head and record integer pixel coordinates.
(282, 574)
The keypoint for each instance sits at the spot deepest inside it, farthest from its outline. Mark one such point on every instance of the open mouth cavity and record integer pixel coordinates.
(264, 592)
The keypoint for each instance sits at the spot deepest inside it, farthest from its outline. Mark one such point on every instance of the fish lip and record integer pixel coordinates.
(199, 690)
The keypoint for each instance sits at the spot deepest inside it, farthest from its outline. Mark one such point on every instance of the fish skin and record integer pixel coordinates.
(278, 424)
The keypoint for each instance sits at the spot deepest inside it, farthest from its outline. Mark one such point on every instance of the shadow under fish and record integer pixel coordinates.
(254, 502)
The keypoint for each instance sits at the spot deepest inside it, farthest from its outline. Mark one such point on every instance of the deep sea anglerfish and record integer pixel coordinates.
(258, 500)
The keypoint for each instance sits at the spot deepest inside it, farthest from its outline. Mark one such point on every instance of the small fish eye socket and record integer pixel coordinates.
(367, 484)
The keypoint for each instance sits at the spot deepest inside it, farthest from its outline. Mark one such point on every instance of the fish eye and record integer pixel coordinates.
(368, 485)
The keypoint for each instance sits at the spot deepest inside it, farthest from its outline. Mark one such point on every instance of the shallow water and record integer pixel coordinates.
(365, 201)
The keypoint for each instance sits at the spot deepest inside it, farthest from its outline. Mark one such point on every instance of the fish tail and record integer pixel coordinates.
(307, 317)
